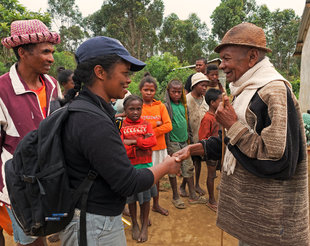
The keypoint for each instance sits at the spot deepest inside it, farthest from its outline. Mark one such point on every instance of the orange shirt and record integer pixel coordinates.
(5, 221)
(156, 111)
(41, 93)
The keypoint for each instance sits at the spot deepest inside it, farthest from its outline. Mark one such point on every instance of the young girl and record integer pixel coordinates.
(138, 137)
(156, 113)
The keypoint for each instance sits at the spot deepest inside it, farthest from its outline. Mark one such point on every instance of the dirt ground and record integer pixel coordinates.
(193, 226)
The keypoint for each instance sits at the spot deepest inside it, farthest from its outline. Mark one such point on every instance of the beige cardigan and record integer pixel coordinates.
(259, 211)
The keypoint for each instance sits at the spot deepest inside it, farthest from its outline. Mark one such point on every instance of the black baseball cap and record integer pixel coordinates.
(100, 46)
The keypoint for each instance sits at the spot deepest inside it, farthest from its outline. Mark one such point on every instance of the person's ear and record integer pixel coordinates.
(253, 55)
(21, 52)
(99, 72)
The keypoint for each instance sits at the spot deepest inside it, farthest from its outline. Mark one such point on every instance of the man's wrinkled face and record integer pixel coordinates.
(235, 61)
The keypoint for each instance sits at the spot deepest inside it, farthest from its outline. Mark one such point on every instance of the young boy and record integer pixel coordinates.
(210, 127)
(197, 107)
(213, 76)
(177, 139)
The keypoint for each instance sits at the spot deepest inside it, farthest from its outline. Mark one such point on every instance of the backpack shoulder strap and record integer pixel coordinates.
(87, 106)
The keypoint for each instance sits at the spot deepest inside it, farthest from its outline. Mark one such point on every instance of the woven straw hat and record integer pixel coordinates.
(245, 34)
(29, 32)
(197, 78)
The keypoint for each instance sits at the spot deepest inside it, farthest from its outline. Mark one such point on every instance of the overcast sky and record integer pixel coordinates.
(183, 8)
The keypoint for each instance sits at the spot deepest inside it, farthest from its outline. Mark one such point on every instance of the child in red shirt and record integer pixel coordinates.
(139, 138)
(210, 127)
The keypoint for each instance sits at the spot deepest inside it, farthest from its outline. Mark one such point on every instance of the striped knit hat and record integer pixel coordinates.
(29, 32)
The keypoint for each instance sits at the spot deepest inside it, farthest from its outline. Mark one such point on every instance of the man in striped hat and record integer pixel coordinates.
(25, 95)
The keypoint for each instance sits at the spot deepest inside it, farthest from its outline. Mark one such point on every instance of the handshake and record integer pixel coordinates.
(174, 162)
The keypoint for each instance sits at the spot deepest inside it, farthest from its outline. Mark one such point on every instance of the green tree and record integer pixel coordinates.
(71, 27)
(164, 68)
(282, 34)
(228, 14)
(184, 38)
(62, 59)
(133, 22)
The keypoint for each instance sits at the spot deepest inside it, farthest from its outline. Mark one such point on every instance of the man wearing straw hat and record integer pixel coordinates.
(25, 95)
(264, 187)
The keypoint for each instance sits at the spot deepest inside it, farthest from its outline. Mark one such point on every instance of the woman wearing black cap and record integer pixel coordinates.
(93, 142)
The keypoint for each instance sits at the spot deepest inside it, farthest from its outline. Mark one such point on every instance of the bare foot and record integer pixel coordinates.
(143, 236)
(160, 210)
(183, 192)
(200, 191)
(135, 232)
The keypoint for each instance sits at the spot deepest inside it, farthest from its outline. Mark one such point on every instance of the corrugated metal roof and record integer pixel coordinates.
(216, 60)
(303, 29)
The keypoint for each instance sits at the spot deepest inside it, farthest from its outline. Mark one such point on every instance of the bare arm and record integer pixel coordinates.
(171, 165)
(192, 149)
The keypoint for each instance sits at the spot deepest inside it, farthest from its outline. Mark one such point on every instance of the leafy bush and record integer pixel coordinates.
(62, 59)
(296, 86)
(163, 68)
(3, 68)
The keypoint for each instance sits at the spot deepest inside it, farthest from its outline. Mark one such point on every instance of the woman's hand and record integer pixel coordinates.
(173, 163)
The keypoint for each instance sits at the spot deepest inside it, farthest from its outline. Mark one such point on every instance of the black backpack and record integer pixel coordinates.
(41, 198)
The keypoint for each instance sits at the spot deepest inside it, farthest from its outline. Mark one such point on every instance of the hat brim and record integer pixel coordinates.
(221, 46)
(201, 80)
(33, 38)
(136, 65)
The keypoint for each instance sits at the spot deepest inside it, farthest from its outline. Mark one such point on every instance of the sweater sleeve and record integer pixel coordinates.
(102, 147)
(167, 125)
(149, 142)
(270, 143)
(276, 146)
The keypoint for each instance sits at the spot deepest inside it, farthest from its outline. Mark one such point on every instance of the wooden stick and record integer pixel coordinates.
(222, 160)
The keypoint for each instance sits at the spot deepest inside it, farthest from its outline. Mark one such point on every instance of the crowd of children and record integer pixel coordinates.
(151, 130)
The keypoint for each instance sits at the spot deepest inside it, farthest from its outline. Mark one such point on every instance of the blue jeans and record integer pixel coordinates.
(101, 230)
(18, 233)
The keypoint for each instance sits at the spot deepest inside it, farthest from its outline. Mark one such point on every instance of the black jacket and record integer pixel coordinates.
(93, 142)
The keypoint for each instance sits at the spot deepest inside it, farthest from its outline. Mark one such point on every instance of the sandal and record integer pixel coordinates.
(199, 200)
(178, 203)
(213, 207)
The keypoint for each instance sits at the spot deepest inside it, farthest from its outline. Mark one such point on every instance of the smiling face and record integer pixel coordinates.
(133, 110)
(148, 92)
(38, 59)
(116, 82)
(236, 61)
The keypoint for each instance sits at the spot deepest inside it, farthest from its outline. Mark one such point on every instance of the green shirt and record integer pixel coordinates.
(179, 124)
